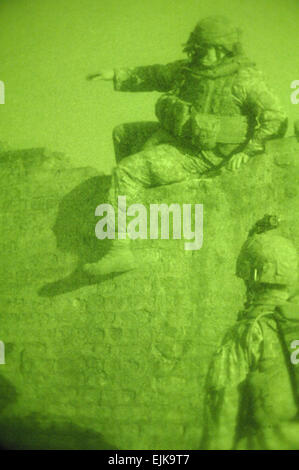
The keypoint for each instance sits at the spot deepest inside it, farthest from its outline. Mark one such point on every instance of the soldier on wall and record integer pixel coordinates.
(216, 110)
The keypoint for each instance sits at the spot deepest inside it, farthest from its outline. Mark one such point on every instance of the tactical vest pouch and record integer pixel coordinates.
(205, 130)
(233, 130)
(174, 115)
(211, 129)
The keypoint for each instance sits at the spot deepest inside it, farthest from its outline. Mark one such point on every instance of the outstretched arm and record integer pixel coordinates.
(147, 78)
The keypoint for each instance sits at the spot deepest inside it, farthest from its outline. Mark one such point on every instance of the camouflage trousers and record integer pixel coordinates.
(156, 164)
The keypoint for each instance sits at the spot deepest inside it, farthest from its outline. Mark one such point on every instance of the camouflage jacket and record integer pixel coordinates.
(234, 92)
(252, 397)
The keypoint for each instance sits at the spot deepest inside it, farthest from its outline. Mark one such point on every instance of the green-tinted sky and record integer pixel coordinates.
(47, 47)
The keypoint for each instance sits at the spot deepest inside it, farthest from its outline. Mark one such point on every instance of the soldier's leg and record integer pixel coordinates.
(160, 165)
(129, 138)
(157, 166)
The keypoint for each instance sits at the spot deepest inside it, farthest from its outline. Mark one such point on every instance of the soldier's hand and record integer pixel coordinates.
(237, 160)
(106, 75)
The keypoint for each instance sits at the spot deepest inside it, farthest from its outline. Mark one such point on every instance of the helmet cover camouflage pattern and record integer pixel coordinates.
(214, 31)
(268, 258)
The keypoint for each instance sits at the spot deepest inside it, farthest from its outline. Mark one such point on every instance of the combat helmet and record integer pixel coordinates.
(267, 257)
(214, 30)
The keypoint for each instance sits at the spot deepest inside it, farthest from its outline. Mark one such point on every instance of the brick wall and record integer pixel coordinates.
(120, 363)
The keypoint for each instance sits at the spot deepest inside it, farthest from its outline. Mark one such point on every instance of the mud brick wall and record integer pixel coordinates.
(120, 363)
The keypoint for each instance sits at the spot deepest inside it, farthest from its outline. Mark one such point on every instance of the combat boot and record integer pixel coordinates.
(119, 259)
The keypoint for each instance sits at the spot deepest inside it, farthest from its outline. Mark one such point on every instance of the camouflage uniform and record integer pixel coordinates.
(252, 389)
(205, 116)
